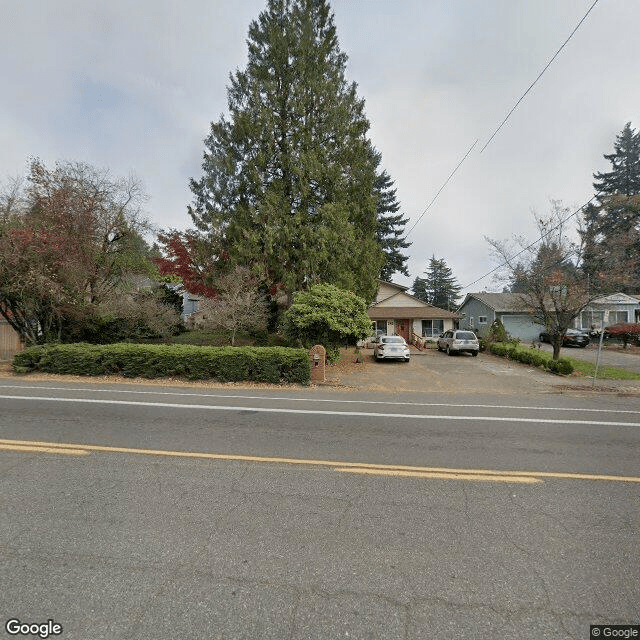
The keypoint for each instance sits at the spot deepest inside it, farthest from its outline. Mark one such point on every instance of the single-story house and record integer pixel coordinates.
(608, 310)
(398, 313)
(480, 310)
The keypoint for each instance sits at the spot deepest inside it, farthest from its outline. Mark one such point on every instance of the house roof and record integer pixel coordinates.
(409, 313)
(501, 302)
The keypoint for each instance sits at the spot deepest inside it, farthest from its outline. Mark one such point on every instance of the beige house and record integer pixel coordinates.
(398, 313)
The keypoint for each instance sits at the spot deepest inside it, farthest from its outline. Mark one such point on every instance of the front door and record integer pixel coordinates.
(402, 329)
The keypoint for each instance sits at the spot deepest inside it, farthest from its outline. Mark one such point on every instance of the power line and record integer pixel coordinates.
(534, 242)
(441, 188)
(555, 55)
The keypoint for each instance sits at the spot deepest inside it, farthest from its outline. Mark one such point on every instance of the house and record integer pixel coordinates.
(608, 310)
(398, 313)
(480, 310)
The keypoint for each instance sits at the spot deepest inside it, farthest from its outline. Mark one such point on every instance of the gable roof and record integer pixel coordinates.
(501, 302)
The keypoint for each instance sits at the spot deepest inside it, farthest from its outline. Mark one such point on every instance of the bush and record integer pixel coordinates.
(227, 364)
(532, 357)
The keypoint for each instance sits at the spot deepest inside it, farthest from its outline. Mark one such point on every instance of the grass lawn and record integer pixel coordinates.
(587, 369)
(605, 372)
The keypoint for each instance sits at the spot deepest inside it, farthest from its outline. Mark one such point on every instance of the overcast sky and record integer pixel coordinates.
(133, 86)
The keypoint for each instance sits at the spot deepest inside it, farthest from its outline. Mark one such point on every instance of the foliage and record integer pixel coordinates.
(552, 284)
(70, 239)
(497, 332)
(390, 228)
(627, 332)
(534, 357)
(227, 364)
(327, 315)
(291, 183)
(192, 258)
(610, 227)
(439, 288)
(238, 304)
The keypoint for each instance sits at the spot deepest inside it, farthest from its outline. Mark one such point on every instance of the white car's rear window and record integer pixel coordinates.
(392, 340)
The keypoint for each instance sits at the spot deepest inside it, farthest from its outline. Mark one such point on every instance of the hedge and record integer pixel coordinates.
(227, 364)
(533, 357)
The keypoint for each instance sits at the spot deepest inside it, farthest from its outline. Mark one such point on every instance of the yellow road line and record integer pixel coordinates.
(361, 467)
(28, 449)
(440, 476)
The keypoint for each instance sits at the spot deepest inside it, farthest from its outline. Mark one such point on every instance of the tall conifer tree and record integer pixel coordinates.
(390, 228)
(440, 287)
(611, 226)
(291, 184)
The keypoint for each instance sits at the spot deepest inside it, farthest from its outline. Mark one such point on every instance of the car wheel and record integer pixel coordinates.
(407, 359)
(474, 353)
(449, 352)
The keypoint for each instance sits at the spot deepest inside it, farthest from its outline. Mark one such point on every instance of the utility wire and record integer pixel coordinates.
(441, 188)
(535, 242)
(555, 55)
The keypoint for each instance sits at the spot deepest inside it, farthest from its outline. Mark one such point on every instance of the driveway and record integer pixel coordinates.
(433, 372)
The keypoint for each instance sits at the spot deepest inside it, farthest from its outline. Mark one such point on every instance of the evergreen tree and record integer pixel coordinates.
(610, 227)
(290, 180)
(439, 288)
(419, 289)
(390, 228)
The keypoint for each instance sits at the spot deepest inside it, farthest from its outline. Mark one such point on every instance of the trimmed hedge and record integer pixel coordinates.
(530, 356)
(227, 364)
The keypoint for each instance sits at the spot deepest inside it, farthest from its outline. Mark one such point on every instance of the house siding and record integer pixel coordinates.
(473, 309)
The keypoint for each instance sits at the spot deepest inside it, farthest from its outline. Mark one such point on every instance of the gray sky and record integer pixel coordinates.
(134, 86)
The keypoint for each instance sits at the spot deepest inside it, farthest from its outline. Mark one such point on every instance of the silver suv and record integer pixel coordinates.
(459, 341)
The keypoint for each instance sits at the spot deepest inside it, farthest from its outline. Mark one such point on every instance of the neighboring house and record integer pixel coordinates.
(608, 310)
(10, 342)
(479, 310)
(397, 313)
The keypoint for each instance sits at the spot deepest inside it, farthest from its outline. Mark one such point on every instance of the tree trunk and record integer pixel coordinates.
(557, 344)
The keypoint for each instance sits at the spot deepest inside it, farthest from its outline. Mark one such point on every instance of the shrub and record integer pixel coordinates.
(533, 357)
(227, 364)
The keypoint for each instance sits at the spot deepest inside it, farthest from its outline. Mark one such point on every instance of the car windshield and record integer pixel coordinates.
(465, 335)
(393, 340)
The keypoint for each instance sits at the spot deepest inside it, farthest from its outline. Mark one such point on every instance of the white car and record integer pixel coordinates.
(459, 341)
(391, 348)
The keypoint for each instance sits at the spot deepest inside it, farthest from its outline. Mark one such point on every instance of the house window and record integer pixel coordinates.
(618, 316)
(591, 319)
(432, 328)
(482, 319)
(379, 325)
(471, 322)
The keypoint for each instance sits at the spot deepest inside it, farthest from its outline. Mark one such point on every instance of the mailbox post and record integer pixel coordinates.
(318, 357)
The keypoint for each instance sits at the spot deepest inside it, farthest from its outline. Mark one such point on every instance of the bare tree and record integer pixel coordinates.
(238, 303)
(549, 279)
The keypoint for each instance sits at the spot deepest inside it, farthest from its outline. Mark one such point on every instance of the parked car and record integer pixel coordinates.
(459, 341)
(391, 348)
(571, 338)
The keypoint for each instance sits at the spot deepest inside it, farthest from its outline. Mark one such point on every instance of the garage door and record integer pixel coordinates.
(522, 327)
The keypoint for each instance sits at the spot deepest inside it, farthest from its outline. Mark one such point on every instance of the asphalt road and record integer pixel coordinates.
(143, 512)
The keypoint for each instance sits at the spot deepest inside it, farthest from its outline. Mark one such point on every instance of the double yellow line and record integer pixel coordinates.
(438, 473)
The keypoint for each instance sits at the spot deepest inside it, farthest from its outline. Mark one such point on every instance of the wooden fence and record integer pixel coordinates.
(9, 341)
